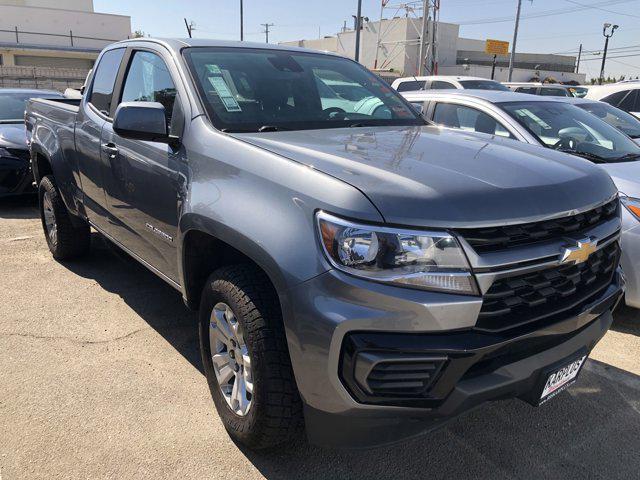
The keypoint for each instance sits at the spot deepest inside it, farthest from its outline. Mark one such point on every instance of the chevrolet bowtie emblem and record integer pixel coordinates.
(580, 252)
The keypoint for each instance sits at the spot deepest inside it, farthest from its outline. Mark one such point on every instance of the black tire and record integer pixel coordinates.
(275, 414)
(70, 240)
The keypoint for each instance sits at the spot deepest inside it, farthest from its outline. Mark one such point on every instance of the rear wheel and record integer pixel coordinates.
(65, 239)
(245, 358)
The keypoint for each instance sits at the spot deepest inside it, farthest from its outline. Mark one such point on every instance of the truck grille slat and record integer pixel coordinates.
(514, 301)
(494, 239)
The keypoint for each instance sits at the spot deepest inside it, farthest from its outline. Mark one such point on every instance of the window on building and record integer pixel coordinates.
(148, 80)
(104, 80)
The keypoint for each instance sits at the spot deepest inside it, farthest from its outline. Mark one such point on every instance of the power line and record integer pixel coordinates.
(543, 13)
(603, 9)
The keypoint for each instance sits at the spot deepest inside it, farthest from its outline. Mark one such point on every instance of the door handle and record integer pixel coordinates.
(110, 149)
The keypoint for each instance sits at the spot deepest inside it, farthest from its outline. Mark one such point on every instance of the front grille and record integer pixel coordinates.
(547, 293)
(403, 378)
(493, 239)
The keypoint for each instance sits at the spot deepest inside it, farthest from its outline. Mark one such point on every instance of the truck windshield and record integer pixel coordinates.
(13, 105)
(570, 129)
(248, 90)
(483, 85)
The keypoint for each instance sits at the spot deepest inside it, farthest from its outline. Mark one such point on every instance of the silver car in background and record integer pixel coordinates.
(551, 123)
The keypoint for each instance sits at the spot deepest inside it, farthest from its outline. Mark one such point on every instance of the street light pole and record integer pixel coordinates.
(358, 24)
(512, 58)
(606, 46)
(241, 20)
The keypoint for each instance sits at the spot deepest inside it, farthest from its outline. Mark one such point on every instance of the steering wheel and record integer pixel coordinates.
(332, 111)
(566, 143)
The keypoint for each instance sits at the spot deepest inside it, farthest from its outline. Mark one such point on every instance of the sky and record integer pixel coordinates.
(547, 26)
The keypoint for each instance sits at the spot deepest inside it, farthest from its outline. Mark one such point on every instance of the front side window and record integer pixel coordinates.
(105, 79)
(148, 80)
(468, 119)
(629, 102)
(483, 85)
(248, 90)
(529, 90)
(615, 117)
(570, 129)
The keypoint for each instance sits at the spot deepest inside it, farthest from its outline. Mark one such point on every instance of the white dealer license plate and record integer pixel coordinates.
(561, 379)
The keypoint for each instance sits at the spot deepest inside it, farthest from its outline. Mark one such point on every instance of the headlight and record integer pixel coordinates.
(417, 259)
(631, 204)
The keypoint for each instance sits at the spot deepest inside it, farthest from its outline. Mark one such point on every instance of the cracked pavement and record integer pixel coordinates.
(100, 378)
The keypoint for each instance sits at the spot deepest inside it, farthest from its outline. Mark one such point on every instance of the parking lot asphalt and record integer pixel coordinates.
(100, 377)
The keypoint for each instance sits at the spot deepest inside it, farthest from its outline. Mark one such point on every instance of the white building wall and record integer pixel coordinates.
(105, 27)
(502, 73)
(77, 5)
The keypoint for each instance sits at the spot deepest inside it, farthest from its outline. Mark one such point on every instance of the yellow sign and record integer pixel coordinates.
(496, 47)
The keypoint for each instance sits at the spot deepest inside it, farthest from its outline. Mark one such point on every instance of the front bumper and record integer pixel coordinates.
(15, 175)
(333, 316)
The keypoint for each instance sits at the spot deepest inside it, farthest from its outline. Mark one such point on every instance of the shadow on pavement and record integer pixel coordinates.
(626, 320)
(588, 432)
(20, 207)
(156, 302)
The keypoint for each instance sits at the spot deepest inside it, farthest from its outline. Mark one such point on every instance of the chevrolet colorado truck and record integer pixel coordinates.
(358, 273)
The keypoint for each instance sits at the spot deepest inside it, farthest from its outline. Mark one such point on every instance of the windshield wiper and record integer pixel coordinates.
(272, 128)
(589, 156)
(628, 157)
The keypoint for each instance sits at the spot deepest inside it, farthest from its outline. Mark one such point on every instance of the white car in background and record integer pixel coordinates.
(623, 95)
(551, 122)
(445, 82)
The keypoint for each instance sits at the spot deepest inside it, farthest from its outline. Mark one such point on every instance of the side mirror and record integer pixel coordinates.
(145, 121)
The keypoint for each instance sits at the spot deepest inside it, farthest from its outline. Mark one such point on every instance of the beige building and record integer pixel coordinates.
(53, 44)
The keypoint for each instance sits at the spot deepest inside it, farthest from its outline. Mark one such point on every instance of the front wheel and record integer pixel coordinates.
(245, 358)
(64, 239)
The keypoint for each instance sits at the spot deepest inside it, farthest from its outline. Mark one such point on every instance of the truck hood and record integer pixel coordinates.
(426, 176)
(13, 135)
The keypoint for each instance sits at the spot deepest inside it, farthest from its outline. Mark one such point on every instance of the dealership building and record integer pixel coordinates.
(53, 44)
(399, 43)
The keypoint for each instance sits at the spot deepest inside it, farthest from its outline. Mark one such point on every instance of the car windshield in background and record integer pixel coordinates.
(569, 129)
(247, 90)
(13, 105)
(483, 85)
(615, 117)
(578, 92)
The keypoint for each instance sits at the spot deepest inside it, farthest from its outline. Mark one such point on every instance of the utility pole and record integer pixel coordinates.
(190, 27)
(266, 30)
(241, 20)
(578, 62)
(512, 58)
(375, 62)
(422, 52)
(358, 25)
(607, 36)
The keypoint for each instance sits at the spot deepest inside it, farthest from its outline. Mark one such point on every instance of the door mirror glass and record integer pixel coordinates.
(145, 121)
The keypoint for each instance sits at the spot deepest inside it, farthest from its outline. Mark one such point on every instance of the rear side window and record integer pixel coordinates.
(629, 102)
(554, 92)
(467, 119)
(411, 86)
(104, 80)
(615, 98)
(530, 90)
(440, 85)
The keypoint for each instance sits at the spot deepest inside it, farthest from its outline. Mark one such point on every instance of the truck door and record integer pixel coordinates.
(144, 181)
(92, 116)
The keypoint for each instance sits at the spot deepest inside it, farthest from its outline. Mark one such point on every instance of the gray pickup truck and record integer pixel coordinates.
(357, 272)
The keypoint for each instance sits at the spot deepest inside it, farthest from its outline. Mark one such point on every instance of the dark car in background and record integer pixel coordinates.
(15, 169)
